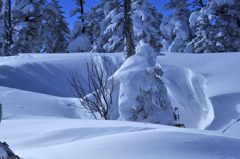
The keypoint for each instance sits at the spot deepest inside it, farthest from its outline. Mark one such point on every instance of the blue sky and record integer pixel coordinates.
(68, 5)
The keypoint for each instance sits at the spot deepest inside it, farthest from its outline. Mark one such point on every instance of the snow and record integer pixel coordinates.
(112, 139)
(224, 2)
(41, 118)
(222, 79)
(80, 44)
(189, 96)
(177, 30)
(146, 98)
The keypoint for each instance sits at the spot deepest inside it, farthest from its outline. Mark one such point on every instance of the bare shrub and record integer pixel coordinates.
(99, 84)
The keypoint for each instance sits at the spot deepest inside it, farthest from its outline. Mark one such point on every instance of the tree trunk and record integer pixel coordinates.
(128, 29)
(8, 41)
(82, 12)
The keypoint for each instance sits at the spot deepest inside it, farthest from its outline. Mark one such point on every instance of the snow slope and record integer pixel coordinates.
(222, 82)
(47, 75)
(112, 139)
(41, 120)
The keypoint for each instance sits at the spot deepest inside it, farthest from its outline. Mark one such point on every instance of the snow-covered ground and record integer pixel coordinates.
(42, 121)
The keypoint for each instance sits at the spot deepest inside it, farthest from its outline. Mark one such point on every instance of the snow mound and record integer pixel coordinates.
(114, 139)
(186, 90)
(47, 73)
(21, 104)
(47, 90)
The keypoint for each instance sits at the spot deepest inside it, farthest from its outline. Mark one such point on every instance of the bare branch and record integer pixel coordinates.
(98, 84)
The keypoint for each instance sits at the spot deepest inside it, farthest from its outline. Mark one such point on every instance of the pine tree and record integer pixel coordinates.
(146, 22)
(79, 39)
(175, 27)
(217, 28)
(55, 29)
(28, 18)
(107, 27)
(106, 21)
(178, 6)
(197, 4)
(79, 10)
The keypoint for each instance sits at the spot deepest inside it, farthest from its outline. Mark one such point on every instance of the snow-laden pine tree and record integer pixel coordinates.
(197, 4)
(79, 39)
(28, 18)
(106, 27)
(175, 27)
(108, 30)
(217, 27)
(143, 100)
(146, 22)
(55, 29)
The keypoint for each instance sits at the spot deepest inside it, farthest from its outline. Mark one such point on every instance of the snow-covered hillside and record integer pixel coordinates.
(41, 119)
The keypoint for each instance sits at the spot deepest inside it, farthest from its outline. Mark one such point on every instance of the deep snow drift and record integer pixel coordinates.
(42, 118)
(48, 76)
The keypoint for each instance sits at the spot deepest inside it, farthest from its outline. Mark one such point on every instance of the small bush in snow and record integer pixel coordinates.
(100, 86)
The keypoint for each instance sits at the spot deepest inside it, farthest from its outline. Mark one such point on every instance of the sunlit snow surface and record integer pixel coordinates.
(41, 120)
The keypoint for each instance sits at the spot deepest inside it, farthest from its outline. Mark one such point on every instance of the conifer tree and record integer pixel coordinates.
(55, 29)
(146, 22)
(28, 18)
(175, 27)
(217, 28)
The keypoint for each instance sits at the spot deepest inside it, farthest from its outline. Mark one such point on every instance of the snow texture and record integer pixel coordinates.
(142, 93)
(38, 106)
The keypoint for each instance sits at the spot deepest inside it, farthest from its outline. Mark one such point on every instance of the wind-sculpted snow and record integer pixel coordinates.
(41, 121)
(48, 75)
(142, 94)
(114, 139)
(186, 90)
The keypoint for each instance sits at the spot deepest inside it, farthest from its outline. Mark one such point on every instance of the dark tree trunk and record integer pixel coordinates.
(82, 12)
(128, 29)
(8, 41)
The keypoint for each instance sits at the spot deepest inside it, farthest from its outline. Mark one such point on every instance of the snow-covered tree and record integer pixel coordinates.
(146, 22)
(197, 4)
(79, 39)
(55, 29)
(28, 18)
(79, 11)
(143, 100)
(105, 26)
(217, 27)
(175, 27)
